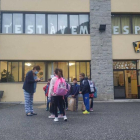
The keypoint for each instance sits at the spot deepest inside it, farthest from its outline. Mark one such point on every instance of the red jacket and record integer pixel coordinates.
(46, 89)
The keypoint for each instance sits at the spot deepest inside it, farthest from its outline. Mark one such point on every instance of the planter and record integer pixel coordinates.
(1, 94)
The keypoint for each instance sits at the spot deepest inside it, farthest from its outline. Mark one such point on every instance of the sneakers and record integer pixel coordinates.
(51, 117)
(47, 109)
(91, 110)
(86, 112)
(66, 109)
(60, 116)
(56, 120)
(65, 118)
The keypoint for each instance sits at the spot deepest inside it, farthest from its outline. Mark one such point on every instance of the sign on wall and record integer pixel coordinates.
(136, 46)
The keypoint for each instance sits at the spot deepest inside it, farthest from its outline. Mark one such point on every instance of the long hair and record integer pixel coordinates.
(59, 72)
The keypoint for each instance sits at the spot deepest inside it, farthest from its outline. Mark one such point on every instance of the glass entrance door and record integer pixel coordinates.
(131, 87)
(119, 85)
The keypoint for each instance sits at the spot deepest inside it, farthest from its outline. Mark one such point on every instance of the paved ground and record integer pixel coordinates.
(109, 121)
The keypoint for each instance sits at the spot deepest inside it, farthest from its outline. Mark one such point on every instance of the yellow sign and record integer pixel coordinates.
(136, 46)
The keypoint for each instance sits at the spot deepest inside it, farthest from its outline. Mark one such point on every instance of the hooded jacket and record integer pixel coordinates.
(84, 86)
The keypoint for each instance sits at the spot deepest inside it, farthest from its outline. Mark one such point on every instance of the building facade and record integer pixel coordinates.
(66, 34)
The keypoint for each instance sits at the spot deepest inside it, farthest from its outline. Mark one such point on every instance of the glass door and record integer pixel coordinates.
(119, 84)
(131, 84)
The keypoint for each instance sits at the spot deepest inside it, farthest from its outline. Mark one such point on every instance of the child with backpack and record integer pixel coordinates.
(58, 91)
(74, 91)
(46, 89)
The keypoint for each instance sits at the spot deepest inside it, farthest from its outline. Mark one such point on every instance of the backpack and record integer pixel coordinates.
(91, 86)
(60, 88)
(68, 89)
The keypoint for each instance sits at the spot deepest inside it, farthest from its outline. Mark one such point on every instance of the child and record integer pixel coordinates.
(46, 89)
(75, 91)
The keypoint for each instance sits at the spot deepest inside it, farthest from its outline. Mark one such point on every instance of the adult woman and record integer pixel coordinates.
(29, 87)
(58, 100)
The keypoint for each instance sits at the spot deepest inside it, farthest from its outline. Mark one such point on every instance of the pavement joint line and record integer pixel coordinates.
(109, 101)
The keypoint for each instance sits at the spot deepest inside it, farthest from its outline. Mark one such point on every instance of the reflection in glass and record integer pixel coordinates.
(15, 71)
(136, 24)
(51, 67)
(29, 66)
(30, 23)
(125, 23)
(78, 71)
(62, 24)
(52, 24)
(116, 21)
(17, 23)
(88, 70)
(84, 24)
(40, 24)
(20, 71)
(72, 71)
(83, 68)
(7, 23)
(3, 71)
(118, 78)
(74, 24)
(64, 67)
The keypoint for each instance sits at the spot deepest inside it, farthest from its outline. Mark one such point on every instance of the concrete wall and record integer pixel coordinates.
(13, 92)
(125, 6)
(45, 47)
(123, 47)
(101, 48)
(46, 5)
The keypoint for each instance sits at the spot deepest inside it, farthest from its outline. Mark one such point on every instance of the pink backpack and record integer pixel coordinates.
(60, 88)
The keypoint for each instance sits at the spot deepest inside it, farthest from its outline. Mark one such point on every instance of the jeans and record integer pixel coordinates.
(86, 100)
(28, 102)
(48, 103)
(58, 102)
(66, 102)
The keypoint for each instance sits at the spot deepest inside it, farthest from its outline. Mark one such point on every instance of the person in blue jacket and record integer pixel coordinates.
(85, 90)
(29, 88)
(74, 91)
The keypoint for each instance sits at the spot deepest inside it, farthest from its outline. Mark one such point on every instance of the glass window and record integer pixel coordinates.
(84, 24)
(14, 73)
(118, 78)
(40, 24)
(88, 70)
(72, 71)
(7, 23)
(52, 24)
(116, 25)
(30, 23)
(64, 67)
(62, 24)
(17, 23)
(29, 66)
(136, 24)
(10, 77)
(74, 23)
(77, 71)
(20, 72)
(124, 65)
(125, 25)
(3, 71)
(83, 68)
(51, 67)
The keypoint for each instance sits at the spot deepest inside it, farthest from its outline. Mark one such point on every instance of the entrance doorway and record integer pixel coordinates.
(125, 84)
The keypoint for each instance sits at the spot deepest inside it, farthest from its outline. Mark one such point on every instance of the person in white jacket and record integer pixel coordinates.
(58, 100)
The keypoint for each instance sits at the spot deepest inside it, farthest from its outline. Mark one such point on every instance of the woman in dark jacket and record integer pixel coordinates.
(29, 87)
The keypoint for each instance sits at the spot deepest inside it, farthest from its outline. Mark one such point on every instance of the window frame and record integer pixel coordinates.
(46, 68)
(46, 21)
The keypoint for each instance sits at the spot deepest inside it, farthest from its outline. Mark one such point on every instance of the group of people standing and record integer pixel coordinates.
(56, 103)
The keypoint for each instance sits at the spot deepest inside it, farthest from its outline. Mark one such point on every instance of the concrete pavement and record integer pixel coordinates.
(109, 121)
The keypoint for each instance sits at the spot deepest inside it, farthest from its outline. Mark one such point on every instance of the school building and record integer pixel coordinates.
(100, 38)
